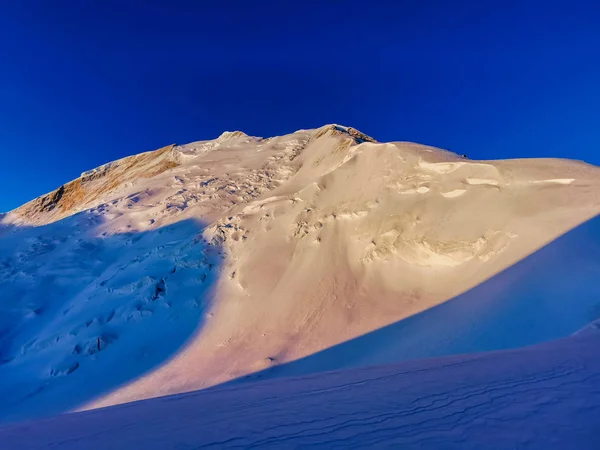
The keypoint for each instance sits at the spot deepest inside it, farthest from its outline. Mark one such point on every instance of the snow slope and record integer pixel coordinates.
(75, 295)
(195, 265)
(542, 397)
(548, 295)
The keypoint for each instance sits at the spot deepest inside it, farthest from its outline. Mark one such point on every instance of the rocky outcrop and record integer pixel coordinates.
(87, 190)
(358, 136)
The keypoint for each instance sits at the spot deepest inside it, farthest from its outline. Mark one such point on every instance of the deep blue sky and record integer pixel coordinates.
(83, 83)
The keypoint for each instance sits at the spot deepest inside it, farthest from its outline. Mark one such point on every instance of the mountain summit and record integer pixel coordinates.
(240, 258)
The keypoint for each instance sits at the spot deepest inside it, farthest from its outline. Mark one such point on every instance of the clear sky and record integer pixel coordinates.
(86, 82)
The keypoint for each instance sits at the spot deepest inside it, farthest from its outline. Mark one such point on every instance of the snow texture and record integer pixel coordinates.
(245, 267)
(543, 397)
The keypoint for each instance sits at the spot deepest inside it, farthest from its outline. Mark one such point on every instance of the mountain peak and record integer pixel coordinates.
(226, 135)
(285, 252)
(335, 128)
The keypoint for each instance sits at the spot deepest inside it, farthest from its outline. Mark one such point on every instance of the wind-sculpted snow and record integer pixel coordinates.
(544, 397)
(203, 263)
(551, 294)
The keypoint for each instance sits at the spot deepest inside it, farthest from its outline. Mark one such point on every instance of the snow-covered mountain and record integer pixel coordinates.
(240, 258)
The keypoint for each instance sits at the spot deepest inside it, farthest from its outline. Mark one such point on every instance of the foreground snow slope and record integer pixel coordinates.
(542, 397)
(548, 295)
(195, 265)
